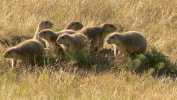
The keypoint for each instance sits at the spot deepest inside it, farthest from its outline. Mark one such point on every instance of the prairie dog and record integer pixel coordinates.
(97, 34)
(128, 42)
(25, 51)
(46, 24)
(50, 38)
(73, 42)
(76, 25)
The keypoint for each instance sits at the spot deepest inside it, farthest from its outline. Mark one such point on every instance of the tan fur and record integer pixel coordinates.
(128, 42)
(25, 51)
(74, 26)
(50, 38)
(97, 34)
(73, 42)
(46, 24)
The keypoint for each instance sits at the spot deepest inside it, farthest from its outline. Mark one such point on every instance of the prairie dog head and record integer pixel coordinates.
(74, 26)
(46, 24)
(64, 39)
(10, 53)
(114, 38)
(108, 27)
(46, 34)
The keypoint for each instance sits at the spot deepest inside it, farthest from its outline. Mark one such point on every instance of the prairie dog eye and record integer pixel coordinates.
(112, 25)
(62, 37)
(112, 37)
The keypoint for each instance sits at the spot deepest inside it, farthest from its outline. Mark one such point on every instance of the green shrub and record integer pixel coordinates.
(82, 58)
(153, 59)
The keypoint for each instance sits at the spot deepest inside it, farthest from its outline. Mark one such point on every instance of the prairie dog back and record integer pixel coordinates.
(97, 34)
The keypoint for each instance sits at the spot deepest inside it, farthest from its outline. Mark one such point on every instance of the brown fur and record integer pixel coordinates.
(97, 34)
(74, 26)
(73, 42)
(25, 51)
(42, 25)
(50, 38)
(128, 42)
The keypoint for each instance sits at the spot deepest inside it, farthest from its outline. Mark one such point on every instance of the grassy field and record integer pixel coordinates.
(156, 19)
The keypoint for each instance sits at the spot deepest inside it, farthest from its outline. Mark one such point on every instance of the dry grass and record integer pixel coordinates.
(156, 19)
(61, 85)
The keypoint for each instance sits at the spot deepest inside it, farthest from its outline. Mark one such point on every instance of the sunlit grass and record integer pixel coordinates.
(156, 19)
(62, 85)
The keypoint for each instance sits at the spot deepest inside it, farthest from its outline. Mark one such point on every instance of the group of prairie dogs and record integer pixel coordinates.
(74, 38)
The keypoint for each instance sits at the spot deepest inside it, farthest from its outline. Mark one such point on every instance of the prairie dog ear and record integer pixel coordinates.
(111, 25)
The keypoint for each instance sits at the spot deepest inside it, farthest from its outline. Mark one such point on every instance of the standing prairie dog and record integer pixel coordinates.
(46, 24)
(50, 37)
(73, 43)
(76, 25)
(25, 51)
(76, 47)
(97, 34)
(128, 42)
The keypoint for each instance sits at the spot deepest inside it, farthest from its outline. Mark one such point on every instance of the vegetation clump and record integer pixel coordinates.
(153, 60)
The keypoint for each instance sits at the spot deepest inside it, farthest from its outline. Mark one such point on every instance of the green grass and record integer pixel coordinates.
(82, 58)
(133, 79)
